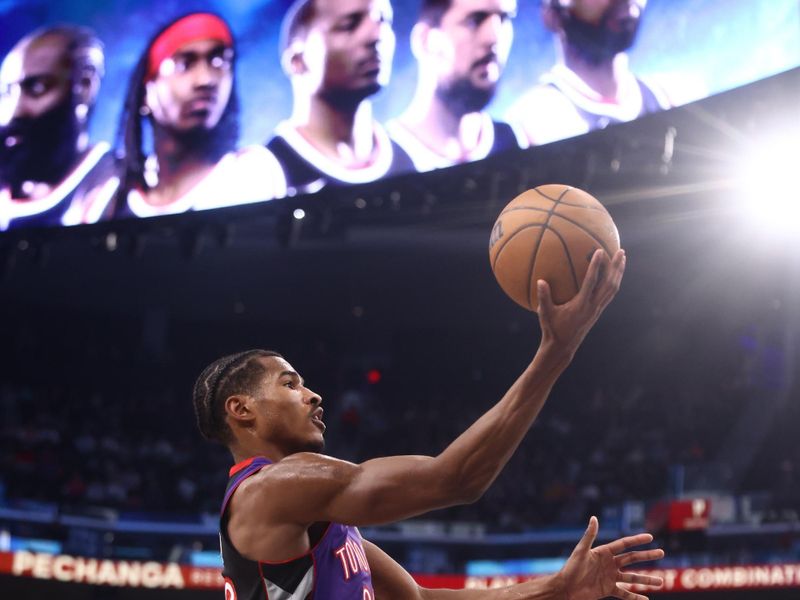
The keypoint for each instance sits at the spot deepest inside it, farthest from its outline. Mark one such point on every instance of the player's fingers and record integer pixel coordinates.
(635, 587)
(639, 556)
(622, 544)
(602, 293)
(617, 269)
(618, 263)
(545, 308)
(624, 593)
(592, 277)
(613, 279)
(650, 581)
(588, 538)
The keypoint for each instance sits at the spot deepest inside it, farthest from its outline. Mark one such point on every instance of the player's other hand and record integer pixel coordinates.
(593, 573)
(565, 325)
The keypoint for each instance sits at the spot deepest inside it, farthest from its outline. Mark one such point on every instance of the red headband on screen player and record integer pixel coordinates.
(197, 26)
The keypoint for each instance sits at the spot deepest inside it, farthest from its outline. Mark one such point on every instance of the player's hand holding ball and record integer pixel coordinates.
(555, 250)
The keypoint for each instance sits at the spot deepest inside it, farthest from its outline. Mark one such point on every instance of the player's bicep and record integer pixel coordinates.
(385, 490)
(389, 580)
(308, 488)
(299, 489)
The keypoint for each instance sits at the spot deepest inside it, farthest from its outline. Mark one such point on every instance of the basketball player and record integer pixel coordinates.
(337, 54)
(461, 48)
(48, 86)
(592, 85)
(183, 88)
(289, 518)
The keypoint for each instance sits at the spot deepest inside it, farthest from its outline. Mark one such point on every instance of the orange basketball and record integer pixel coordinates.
(550, 233)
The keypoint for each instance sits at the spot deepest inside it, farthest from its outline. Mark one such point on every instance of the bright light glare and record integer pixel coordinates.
(299, 213)
(770, 185)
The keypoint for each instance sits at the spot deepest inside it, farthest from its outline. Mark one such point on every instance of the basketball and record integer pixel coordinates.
(550, 233)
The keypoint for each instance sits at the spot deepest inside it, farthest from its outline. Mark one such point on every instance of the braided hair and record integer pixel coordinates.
(227, 376)
(130, 140)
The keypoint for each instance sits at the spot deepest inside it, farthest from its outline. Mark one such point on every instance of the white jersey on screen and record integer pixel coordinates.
(563, 105)
(492, 137)
(56, 204)
(248, 175)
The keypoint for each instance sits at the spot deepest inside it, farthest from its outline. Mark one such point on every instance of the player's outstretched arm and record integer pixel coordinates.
(589, 574)
(319, 488)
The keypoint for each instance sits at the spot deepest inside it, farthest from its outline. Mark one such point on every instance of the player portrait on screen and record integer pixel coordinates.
(48, 86)
(183, 88)
(592, 85)
(337, 55)
(461, 47)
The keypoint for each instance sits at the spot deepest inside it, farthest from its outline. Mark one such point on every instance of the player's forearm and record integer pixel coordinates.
(476, 457)
(392, 582)
(541, 588)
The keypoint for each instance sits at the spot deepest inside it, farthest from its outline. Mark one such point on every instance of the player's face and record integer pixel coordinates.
(614, 11)
(35, 79)
(291, 415)
(192, 87)
(603, 27)
(350, 45)
(476, 40)
(38, 126)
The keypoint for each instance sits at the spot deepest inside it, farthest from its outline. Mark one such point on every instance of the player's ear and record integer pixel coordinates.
(550, 15)
(292, 59)
(419, 40)
(150, 98)
(238, 409)
(427, 41)
(86, 86)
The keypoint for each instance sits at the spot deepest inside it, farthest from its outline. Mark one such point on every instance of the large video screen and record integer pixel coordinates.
(128, 109)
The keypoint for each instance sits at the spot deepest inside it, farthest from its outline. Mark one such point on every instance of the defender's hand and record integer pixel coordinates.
(593, 573)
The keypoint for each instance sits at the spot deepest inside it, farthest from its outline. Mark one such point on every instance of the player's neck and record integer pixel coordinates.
(178, 158)
(344, 135)
(244, 449)
(603, 77)
(435, 123)
(180, 167)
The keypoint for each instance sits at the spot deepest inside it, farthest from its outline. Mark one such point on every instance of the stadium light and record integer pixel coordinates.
(769, 182)
(299, 213)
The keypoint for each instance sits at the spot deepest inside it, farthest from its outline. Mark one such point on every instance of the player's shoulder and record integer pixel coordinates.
(674, 89)
(254, 158)
(278, 488)
(297, 468)
(253, 152)
(545, 114)
(508, 136)
(541, 95)
(243, 176)
(311, 463)
(258, 160)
